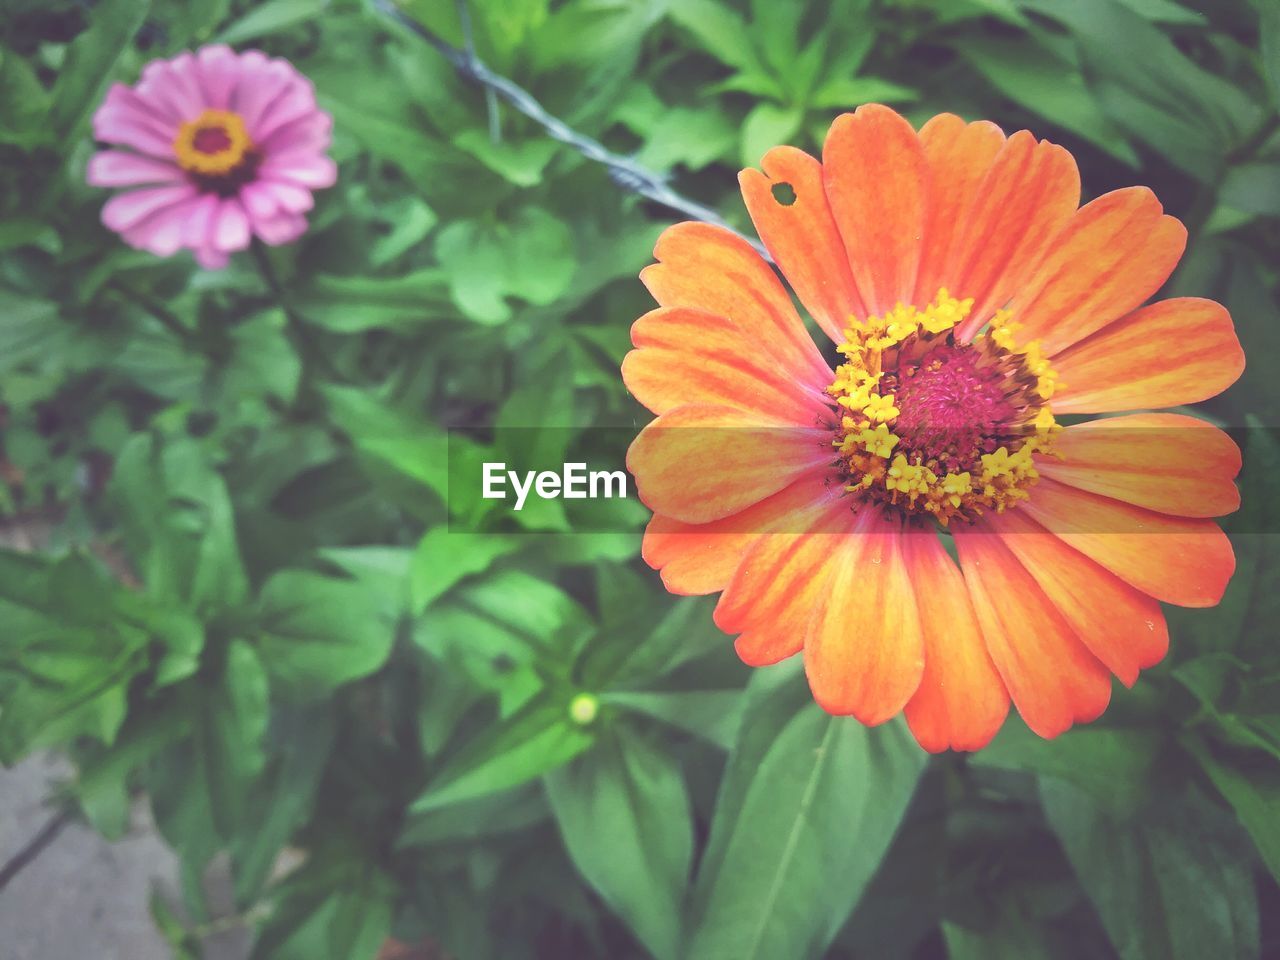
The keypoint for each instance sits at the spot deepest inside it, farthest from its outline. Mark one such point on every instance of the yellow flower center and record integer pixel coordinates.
(214, 144)
(930, 426)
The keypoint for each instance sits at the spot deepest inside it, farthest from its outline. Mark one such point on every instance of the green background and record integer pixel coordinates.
(249, 606)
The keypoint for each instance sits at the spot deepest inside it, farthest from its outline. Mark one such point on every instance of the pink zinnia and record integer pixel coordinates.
(224, 146)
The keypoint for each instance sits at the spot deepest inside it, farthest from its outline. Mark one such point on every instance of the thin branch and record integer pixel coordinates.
(35, 846)
(624, 171)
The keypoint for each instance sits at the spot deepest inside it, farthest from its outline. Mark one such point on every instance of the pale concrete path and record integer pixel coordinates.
(82, 898)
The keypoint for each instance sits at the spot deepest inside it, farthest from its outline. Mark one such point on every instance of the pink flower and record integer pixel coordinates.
(222, 146)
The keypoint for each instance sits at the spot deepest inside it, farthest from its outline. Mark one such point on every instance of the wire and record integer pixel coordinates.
(623, 171)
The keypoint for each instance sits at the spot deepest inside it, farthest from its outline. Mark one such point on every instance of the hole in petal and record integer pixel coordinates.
(784, 193)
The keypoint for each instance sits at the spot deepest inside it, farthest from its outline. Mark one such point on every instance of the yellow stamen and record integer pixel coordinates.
(212, 145)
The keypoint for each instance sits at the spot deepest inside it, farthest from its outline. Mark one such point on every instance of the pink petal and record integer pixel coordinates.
(116, 168)
(162, 233)
(125, 119)
(219, 71)
(261, 82)
(230, 227)
(289, 197)
(282, 229)
(210, 258)
(126, 210)
(173, 86)
(260, 200)
(310, 133)
(298, 102)
(198, 223)
(315, 172)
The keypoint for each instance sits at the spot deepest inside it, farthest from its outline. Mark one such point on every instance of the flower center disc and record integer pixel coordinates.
(931, 426)
(214, 145)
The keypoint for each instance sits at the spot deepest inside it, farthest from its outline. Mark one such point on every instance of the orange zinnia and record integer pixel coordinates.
(972, 301)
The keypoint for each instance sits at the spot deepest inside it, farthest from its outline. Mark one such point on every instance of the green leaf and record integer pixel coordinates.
(30, 330)
(719, 30)
(406, 443)
(1270, 48)
(625, 819)
(1189, 115)
(713, 715)
(319, 632)
(537, 738)
(1170, 884)
(767, 126)
(849, 93)
(273, 16)
(1049, 86)
(1112, 764)
(444, 558)
(233, 725)
(179, 524)
(529, 256)
(90, 61)
(806, 810)
(358, 304)
(1250, 782)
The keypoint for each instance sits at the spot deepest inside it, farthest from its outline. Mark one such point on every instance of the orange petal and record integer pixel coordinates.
(702, 558)
(864, 650)
(1180, 561)
(687, 357)
(1168, 353)
(961, 701)
(1113, 254)
(1162, 461)
(1052, 677)
(772, 595)
(959, 155)
(876, 180)
(1029, 193)
(1123, 627)
(802, 238)
(708, 268)
(703, 463)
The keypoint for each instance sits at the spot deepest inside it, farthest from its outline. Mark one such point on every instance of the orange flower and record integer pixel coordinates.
(972, 302)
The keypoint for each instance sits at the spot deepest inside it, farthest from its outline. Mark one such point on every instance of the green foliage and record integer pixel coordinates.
(267, 604)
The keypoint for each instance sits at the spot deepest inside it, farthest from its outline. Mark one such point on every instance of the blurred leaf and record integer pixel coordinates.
(806, 810)
(271, 16)
(179, 524)
(1168, 885)
(24, 107)
(1189, 115)
(535, 739)
(719, 30)
(713, 715)
(849, 93)
(1270, 43)
(233, 727)
(444, 558)
(625, 819)
(358, 304)
(1250, 782)
(1113, 765)
(412, 447)
(1033, 77)
(529, 256)
(319, 632)
(90, 61)
(767, 126)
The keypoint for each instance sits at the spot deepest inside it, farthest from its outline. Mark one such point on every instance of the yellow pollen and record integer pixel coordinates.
(937, 479)
(214, 144)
